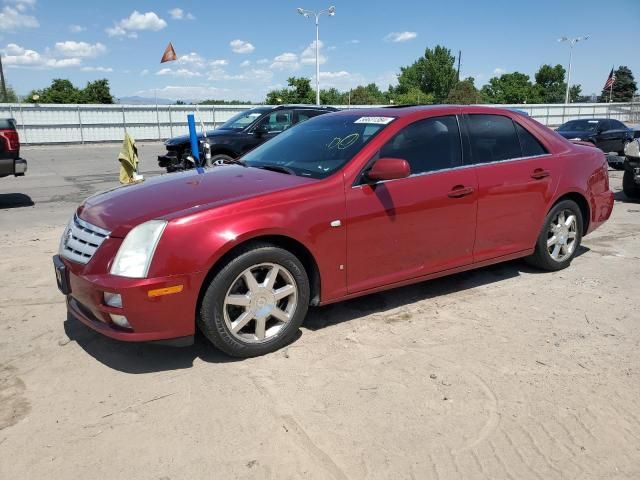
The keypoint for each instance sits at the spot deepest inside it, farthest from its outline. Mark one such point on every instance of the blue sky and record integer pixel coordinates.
(243, 49)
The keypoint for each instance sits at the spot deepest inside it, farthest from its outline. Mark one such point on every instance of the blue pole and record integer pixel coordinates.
(195, 150)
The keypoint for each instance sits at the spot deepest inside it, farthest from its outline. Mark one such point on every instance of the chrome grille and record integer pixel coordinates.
(81, 240)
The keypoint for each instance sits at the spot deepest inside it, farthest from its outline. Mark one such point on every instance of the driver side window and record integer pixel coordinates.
(278, 121)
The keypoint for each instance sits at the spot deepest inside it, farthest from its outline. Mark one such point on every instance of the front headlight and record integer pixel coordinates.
(136, 252)
(576, 138)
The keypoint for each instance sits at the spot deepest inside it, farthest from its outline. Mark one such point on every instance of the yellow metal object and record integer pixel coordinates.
(158, 292)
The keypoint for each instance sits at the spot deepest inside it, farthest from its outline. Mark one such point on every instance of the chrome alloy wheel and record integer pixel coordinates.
(561, 237)
(260, 302)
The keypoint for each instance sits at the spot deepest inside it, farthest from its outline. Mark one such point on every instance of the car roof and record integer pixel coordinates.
(401, 111)
(305, 106)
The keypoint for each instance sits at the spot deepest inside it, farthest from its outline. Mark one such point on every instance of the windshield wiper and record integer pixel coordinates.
(277, 168)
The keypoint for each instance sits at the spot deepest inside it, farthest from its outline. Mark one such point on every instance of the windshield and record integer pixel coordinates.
(242, 119)
(318, 147)
(579, 126)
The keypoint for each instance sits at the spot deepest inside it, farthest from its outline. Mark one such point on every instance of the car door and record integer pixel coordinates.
(606, 137)
(620, 137)
(269, 126)
(516, 178)
(409, 227)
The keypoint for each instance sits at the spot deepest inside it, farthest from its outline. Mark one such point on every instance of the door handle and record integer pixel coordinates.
(539, 174)
(460, 191)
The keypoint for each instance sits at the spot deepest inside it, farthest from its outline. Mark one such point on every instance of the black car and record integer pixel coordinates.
(241, 133)
(10, 161)
(606, 134)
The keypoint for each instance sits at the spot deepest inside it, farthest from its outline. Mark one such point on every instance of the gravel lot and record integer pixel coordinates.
(503, 372)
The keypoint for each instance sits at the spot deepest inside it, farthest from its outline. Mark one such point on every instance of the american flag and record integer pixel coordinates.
(610, 80)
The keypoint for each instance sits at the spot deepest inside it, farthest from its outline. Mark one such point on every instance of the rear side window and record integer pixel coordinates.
(427, 145)
(530, 144)
(307, 114)
(493, 138)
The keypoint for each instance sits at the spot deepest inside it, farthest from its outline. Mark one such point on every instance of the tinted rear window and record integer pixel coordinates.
(530, 144)
(493, 138)
(7, 123)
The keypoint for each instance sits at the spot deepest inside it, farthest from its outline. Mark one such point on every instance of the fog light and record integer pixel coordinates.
(113, 299)
(120, 320)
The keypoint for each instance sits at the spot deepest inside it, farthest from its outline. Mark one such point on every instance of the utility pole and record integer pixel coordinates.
(459, 58)
(572, 42)
(5, 97)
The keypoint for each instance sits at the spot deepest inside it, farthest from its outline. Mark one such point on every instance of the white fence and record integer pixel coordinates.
(42, 124)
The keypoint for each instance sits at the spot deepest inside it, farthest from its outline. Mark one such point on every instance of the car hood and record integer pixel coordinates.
(574, 134)
(121, 209)
(182, 139)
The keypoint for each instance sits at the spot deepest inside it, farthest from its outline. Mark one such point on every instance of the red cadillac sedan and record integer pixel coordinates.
(339, 206)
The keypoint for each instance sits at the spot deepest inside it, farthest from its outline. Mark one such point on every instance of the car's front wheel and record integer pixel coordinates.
(560, 237)
(220, 159)
(256, 303)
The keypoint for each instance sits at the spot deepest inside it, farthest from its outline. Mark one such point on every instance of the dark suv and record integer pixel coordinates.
(241, 133)
(10, 161)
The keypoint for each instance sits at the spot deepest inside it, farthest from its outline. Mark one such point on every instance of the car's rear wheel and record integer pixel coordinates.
(630, 188)
(256, 303)
(560, 237)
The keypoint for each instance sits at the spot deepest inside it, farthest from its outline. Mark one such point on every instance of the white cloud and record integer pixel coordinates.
(176, 92)
(308, 56)
(219, 63)
(14, 18)
(181, 72)
(286, 61)
(76, 28)
(262, 61)
(342, 79)
(353, 42)
(499, 71)
(240, 46)
(246, 64)
(80, 49)
(259, 75)
(180, 14)
(97, 69)
(17, 56)
(136, 22)
(144, 72)
(192, 59)
(396, 37)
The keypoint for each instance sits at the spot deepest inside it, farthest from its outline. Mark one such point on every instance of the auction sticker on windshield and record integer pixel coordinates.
(375, 120)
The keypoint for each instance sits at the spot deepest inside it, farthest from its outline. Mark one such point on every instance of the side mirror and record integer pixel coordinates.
(260, 130)
(389, 169)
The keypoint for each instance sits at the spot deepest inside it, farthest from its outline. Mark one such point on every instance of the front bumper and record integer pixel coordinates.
(157, 318)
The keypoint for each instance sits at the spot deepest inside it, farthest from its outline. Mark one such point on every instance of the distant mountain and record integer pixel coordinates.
(135, 100)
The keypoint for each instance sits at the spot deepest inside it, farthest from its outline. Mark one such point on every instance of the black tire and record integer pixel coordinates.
(630, 188)
(211, 314)
(220, 158)
(541, 257)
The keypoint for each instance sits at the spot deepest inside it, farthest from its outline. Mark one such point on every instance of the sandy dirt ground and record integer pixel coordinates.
(504, 372)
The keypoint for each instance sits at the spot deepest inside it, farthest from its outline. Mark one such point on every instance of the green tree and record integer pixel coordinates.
(464, 93)
(624, 88)
(412, 96)
(550, 85)
(368, 95)
(97, 91)
(575, 94)
(432, 73)
(11, 97)
(60, 91)
(509, 88)
(332, 96)
(298, 91)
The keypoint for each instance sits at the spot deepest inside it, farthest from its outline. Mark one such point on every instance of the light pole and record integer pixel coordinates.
(307, 14)
(572, 42)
